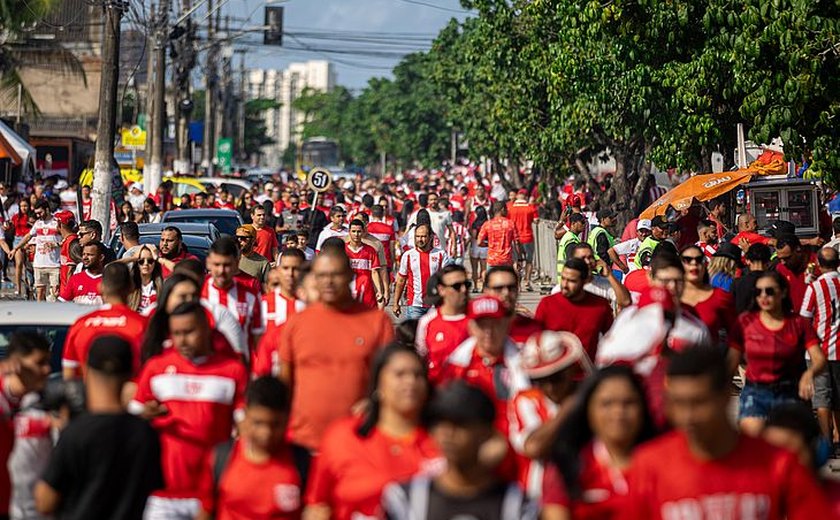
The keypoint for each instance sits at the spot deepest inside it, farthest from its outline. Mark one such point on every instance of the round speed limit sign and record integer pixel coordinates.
(319, 179)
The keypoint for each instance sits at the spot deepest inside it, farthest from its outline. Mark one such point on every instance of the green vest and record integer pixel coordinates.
(594, 233)
(646, 247)
(568, 238)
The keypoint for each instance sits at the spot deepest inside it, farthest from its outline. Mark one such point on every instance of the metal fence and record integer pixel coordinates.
(545, 252)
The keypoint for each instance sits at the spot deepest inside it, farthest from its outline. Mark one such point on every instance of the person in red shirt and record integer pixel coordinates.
(172, 249)
(416, 266)
(489, 358)
(192, 395)
(797, 265)
(360, 455)
(67, 228)
(575, 310)
(367, 284)
(114, 318)
(83, 287)
(222, 288)
(383, 232)
(747, 236)
(258, 477)
(705, 468)
(265, 244)
(587, 476)
(714, 306)
(773, 341)
(501, 236)
(503, 283)
(444, 327)
(524, 215)
(21, 222)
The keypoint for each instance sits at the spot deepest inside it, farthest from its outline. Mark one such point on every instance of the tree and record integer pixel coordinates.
(19, 51)
(255, 130)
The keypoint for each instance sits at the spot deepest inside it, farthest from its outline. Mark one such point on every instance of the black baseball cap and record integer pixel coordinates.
(111, 355)
(660, 222)
(463, 404)
(781, 227)
(605, 213)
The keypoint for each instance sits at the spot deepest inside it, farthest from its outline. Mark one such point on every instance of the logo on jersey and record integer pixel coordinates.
(287, 497)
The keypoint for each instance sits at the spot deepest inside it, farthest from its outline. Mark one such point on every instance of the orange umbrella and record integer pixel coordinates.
(701, 187)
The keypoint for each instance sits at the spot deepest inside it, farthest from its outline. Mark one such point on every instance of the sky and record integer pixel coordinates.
(417, 21)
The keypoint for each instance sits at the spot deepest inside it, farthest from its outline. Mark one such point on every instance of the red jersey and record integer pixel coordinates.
(243, 302)
(201, 397)
(773, 355)
(8, 406)
(522, 328)
(708, 249)
(265, 243)
(797, 284)
(603, 489)
(82, 288)
(820, 306)
(460, 238)
(529, 410)
(750, 236)
(416, 267)
(385, 234)
(183, 255)
(249, 490)
(118, 320)
(500, 234)
(499, 378)
(438, 335)
(276, 309)
(252, 283)
(717, 312)
(66, 261)
(523, 216)
(21, 223)
(755, 480)
(587, 319)
(350, 471)
(363, 261)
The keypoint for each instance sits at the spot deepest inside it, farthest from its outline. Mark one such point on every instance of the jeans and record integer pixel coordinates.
(415, 312)
(757, 400)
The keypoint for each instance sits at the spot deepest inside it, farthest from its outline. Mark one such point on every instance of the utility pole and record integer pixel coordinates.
(104, 158)
(150, 94)
(240, 109)
(209, 98)
(153, 172)
(183, 64)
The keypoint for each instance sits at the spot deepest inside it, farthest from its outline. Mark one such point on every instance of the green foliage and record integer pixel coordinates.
(255, 131)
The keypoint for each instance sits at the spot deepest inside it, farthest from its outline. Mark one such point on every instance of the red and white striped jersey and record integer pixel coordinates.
(363, 261)
(384, 232)
(276, 309)
(438, 336)
(821, 306)
(460, 235)
(529, 410)
(708, 249)
(242, 302)
(416, 267)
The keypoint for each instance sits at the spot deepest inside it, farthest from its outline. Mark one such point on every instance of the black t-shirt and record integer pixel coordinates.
(743, 290)
(105, 466)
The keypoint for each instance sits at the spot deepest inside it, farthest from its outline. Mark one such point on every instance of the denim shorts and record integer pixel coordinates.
(757, 400)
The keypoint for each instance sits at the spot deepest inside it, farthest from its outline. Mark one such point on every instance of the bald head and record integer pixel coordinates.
(828, 259)
(746, 222)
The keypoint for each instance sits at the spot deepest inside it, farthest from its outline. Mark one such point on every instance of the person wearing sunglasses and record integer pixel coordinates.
(444, 327)
(250, 261)
(147, 275)
(503, 283)
(773, 341)
(714, 306)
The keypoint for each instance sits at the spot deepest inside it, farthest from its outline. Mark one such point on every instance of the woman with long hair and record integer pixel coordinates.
(773, 340)
(594, 447)
(388, 443)
(125, 213)
(244, 205)
(478, 252)
(148, 280)
(151, 211)
(724, 266)
(22, 223)
(714, 306)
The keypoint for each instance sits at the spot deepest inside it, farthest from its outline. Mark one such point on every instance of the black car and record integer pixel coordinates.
(226, 220)
(196, 237)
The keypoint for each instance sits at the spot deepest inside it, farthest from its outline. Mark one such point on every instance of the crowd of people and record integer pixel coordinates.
(366, 353)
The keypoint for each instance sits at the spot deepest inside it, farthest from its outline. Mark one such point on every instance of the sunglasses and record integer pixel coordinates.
(243, 238)
(459, 285)
(499, 288)
(688, 259)
(146, 261)
(769, 291)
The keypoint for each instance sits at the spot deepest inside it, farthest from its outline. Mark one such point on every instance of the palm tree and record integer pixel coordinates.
(20, 50)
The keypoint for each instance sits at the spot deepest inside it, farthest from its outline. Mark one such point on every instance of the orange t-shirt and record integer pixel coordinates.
(501, 234)
(350, 471)
(523, 215)
(329, 352)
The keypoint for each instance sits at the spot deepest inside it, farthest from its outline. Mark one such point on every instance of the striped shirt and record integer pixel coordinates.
(276, 309)
(820, 305)
(243, 303)
(708, 249)
(416, 267)
(460, 236)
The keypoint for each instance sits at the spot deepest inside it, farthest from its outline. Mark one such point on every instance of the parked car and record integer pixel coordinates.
(225, 220)
(197, 237)
(233, 186)
(50, 319)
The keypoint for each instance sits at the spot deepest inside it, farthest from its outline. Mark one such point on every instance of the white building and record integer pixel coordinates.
(283, 124)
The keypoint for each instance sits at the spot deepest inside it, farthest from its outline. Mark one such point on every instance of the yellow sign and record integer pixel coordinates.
(134, 138)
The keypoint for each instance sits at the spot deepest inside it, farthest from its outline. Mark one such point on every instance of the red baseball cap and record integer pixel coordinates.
(63, 217)
(654, 295)
(523, 191)
(487, 307)
(548, 352)
(576, 200)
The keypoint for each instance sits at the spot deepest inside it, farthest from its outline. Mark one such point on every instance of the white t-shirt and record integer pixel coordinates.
(628, 249)
(440, 219)
(47, 239)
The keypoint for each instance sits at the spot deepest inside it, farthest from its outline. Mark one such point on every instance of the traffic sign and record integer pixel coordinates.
(134, 138)
(224, 154)
(319, 179)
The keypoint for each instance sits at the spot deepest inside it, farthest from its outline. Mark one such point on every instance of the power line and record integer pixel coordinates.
(433, 6)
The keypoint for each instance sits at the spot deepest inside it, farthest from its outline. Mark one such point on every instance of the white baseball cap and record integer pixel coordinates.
(643, 223)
